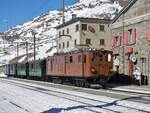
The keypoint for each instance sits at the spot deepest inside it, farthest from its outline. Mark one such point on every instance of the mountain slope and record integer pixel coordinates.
(43, 27)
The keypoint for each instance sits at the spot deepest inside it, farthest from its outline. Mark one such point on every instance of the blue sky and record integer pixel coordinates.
(13, 12)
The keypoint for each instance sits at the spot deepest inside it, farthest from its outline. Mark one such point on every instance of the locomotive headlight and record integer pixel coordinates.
(93, 70)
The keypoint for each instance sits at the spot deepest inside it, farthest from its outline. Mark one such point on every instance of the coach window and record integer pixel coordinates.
(32, 66)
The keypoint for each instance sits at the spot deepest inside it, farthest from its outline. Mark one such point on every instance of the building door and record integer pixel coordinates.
(130, 68)
(144, 71)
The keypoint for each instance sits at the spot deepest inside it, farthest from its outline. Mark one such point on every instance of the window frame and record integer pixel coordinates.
(102, 42)
(101, 27)
(88, 41)
(84, 27)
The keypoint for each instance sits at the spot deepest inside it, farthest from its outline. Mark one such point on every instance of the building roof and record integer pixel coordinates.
(124, 10)
(90, 20)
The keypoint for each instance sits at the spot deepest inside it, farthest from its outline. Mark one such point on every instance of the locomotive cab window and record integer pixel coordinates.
(94, 57)
(109, 57)
(100, 57)
(106, 57)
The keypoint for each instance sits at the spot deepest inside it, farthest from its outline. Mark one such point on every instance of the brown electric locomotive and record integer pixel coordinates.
(81, 67)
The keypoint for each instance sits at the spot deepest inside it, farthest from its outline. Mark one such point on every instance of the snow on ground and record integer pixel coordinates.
(27, 99)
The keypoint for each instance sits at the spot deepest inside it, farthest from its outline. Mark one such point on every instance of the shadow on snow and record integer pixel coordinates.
(87, 107)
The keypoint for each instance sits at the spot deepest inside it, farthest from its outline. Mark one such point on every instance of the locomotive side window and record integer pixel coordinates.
(79, 58)
(66, 59)
(32, 66)
(101, 57)
(84, 58)
(71, 59)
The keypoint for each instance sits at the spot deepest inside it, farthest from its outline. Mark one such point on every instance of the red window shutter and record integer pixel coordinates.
(126, 37)
(148, 33)
(119, 39)
(134, 35)
(112, 40)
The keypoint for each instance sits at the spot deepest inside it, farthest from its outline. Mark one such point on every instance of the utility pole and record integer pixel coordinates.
(33, 33)
(63, 2)
(27, 50)
(17, 51)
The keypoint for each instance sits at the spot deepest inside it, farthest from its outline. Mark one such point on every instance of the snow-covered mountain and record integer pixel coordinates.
(43, 27)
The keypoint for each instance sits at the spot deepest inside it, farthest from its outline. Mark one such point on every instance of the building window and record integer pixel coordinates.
(63, 45)
(59, 46)
(101, 28)
(75, 42)
(84, 27)
(77, 27)
(67, 30)
(67, 43)
(59, 33)
(115, 41)
(102, 42)
(130, 36)
(63, 32)
(88, 41)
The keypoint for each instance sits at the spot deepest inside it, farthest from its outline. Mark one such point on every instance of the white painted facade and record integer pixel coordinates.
(90, 37)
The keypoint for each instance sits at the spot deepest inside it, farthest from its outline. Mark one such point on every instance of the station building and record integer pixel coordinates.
(130, 32)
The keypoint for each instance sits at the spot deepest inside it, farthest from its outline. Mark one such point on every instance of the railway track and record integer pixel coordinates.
(110, 92)
(113, 106)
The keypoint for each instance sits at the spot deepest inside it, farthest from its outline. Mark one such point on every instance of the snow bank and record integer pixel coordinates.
(2, 75)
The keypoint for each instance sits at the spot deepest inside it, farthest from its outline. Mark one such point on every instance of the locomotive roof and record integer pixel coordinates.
(90, 20)
(39, 60)
(79, 51)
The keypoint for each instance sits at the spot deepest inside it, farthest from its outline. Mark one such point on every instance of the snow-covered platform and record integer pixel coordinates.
(23, 97)
(145, 89)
